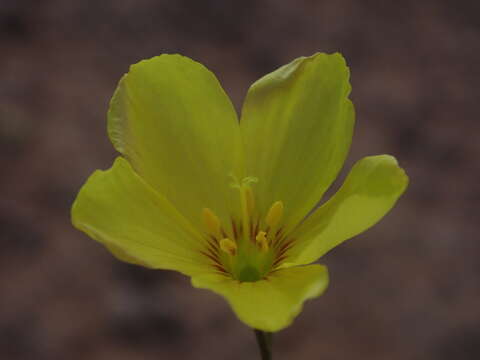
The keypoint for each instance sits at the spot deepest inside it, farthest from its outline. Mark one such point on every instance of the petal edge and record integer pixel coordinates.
(370, 190)
(269, 305)
(170, 117)
(118, 209)
(303, 112)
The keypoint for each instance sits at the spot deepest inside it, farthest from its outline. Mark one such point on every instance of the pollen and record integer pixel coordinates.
(275, 214)
(228, 246)
(261, 240)
(212, 223)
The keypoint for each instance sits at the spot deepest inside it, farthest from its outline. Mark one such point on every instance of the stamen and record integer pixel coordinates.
(275, 214)
(228, 246)
(262, 241)
(255, 245)
(212, 223)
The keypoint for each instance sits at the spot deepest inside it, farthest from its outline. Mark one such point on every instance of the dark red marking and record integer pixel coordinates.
(213, 258)
(221, 269)
(280, 259)
(234, 228)
(284, 246)
(257, 226)
(278, 232)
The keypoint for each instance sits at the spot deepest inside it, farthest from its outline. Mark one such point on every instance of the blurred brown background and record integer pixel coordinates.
(407, 289)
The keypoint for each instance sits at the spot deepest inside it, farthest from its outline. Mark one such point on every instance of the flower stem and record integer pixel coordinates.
(264, 340)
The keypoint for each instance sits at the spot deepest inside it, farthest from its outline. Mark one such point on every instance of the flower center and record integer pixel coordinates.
(252, 246)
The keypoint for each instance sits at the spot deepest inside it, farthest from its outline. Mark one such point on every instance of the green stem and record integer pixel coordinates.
(264, 340)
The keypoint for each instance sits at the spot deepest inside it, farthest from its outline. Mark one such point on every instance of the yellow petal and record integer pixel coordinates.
(297, 126)
(118, 209)
(371, 189)
(172, 120)
(271, 304)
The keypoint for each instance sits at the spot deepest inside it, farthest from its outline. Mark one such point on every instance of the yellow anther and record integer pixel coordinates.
(250, 200)
(275, 213)
(262, 241)
(212, 223)
(228, 246)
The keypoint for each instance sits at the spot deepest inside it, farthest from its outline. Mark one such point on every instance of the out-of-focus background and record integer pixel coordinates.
(407, 289)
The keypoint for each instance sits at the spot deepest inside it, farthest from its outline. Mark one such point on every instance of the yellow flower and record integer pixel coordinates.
(228, 203)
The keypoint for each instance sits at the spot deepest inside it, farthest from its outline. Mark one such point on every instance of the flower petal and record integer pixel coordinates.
(297, 125)
(118, 209)
(172, 120)
(371, 189)
(271, 304)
